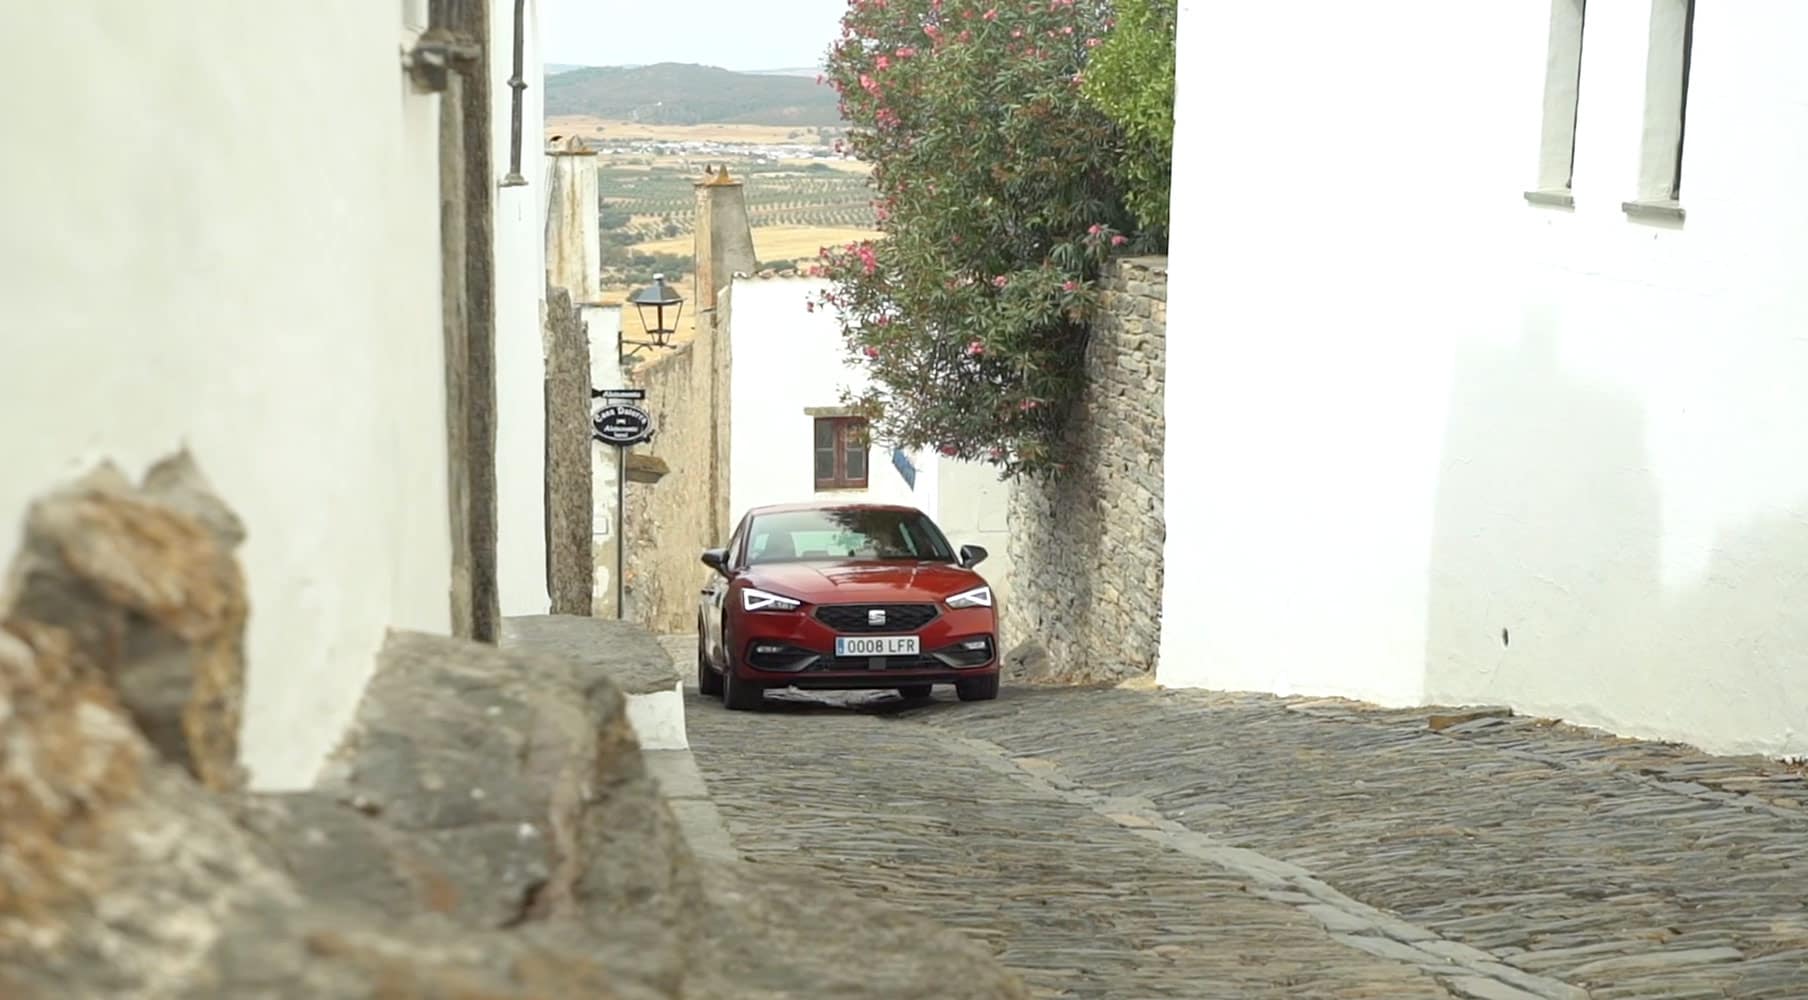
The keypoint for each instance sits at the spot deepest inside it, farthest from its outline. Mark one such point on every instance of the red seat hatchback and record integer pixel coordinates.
(845, 597)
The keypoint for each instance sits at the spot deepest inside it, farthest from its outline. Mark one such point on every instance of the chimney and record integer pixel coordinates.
(724, 240)
(574, 246)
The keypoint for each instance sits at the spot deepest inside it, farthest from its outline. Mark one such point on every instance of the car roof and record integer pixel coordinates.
(825, 505)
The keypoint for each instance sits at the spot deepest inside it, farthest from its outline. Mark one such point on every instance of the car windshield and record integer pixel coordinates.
(846, 533)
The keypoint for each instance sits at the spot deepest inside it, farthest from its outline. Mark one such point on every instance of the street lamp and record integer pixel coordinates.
(659, 307)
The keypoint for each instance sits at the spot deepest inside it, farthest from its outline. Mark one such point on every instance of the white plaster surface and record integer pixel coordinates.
(1419, 411)
(786, 358)
(658, 719)
(520, 239)
(212, 242)
(970, 505)
(603, 324)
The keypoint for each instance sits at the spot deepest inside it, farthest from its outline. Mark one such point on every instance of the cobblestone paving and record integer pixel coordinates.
(1630, 869)
(1077, 904)
(1191, 844)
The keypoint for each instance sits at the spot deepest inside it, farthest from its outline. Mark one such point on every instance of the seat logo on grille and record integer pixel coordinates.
(875, 616)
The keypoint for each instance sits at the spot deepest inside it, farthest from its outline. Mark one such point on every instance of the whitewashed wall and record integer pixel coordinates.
(212, 242)
(520, 237)
(785, 359)
(971, 505)
(1442, 444)
(603, 324)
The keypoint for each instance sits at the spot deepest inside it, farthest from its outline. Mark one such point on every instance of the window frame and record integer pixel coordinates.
(843, 441)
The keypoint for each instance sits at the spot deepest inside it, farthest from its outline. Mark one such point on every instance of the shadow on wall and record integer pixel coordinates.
(1545, 588)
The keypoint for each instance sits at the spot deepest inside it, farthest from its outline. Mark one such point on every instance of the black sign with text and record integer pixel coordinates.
(622, 425)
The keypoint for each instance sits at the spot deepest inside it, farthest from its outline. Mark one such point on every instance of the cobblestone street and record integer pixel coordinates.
(1184, 844)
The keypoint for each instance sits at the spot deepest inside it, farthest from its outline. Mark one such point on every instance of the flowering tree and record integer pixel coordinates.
(999, 199)
(1132, 79)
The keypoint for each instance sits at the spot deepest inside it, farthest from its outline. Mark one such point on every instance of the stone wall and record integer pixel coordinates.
(670, 522)
(570, 570)
(1091, 608)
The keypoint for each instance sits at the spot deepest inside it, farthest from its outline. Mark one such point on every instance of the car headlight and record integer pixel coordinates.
(978, 597)
(759, 600)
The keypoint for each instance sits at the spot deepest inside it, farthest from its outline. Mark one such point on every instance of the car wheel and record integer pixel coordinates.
(739, 695)
(915, 692)
(709, 681)
(978, 689)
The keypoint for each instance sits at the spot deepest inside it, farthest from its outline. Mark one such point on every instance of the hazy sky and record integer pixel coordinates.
(735, 34)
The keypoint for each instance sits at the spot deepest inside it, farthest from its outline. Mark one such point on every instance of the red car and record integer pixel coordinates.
(845, 597)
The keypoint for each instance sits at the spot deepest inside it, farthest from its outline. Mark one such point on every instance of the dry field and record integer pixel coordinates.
(589, 127)
(775, 242)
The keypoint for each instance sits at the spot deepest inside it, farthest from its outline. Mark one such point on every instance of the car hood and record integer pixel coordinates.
(854, 582)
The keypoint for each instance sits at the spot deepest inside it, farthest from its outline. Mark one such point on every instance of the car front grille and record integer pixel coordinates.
(887, 663)
(857, 618)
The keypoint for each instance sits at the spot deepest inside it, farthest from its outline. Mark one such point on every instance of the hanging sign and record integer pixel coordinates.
(622, 425)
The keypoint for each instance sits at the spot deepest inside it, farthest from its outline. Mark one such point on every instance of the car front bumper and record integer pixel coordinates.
(797, 650)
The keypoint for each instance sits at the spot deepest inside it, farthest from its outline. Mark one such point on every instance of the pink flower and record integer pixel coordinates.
(975, 349)
(1118, 241)
(884, 62)
(991, 15)
(906, 52)
(950, 450)
(872, 352)
(1000, 281)
(1027, 405)
(1071, 286)
(1093, 43)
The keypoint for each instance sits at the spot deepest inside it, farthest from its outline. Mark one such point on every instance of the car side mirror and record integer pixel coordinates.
(716, 559)
(972, 555)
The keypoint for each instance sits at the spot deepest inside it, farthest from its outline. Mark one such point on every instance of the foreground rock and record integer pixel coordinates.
(144, 584)
(485, 829)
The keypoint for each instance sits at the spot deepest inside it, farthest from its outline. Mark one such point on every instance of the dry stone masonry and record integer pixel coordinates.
(1092, 610)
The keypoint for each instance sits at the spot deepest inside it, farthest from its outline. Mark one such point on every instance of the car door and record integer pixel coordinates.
(715, 599)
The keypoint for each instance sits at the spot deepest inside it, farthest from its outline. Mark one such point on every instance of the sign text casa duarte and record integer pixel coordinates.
(622, 425)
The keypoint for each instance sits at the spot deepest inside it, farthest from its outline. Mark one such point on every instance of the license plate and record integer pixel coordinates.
(876, 645)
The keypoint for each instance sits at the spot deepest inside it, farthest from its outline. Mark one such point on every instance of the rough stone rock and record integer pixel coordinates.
(626, 654)
(499, 787)
(570, 572)
(120, 876)
(145, 584)
(1028, 662)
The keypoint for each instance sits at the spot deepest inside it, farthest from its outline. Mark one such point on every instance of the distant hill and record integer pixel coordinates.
(683, 94)
(554, 69)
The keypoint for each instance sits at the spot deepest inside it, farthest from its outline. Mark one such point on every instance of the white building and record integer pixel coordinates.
(1468, 409)
(211, 242)
(792, 438)
(520, 238)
